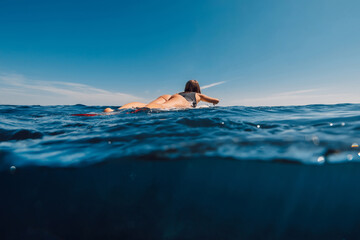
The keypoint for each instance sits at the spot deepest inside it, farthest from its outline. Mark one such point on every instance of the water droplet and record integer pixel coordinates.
(331, 124)
(321, 159)
(222, 123)
(132, 176)
(342, 124)
(349, 157)
(109, 142)
(354, 145)
(12, 169)
(258, 126)
(315, 140)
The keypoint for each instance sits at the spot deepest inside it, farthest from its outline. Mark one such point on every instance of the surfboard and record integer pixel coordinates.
(138, 110)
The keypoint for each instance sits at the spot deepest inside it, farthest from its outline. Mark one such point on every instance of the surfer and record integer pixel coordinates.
(189, 98)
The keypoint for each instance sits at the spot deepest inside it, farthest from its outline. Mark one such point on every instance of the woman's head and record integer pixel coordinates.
(192, 86)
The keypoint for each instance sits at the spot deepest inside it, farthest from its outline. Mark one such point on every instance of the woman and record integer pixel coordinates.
(189, 98)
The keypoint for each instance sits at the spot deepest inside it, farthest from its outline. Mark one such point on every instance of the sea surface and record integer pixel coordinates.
(51, 136)
(230, 173)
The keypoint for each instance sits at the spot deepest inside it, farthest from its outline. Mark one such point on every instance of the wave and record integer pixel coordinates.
(50, 136)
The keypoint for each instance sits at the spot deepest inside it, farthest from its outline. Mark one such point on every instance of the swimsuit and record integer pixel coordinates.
(190, 97)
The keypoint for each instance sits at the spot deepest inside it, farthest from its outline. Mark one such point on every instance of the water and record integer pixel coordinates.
(50, 136)
(208, 173)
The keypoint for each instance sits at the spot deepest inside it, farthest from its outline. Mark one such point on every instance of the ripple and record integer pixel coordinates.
(21, 134)
(303, 134)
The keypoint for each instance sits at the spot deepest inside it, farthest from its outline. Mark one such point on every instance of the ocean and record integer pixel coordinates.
(284, 172)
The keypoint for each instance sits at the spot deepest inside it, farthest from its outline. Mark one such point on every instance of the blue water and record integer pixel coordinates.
(209, 173)
(50, 136)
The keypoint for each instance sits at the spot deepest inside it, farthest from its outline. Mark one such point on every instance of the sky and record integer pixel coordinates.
(247, 53)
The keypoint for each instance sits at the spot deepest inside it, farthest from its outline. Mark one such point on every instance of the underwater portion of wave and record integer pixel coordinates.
(50, 136)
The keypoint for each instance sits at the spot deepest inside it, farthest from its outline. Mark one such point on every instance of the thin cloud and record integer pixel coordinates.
(16, 89)
(299, 97)
(292, 93)
(212, 85)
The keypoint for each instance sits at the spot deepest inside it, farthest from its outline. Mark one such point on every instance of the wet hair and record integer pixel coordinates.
(192, 86)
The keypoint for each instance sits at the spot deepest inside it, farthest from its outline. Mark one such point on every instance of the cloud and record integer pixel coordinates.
(16, 89)
(298, 92)
(212, 85)
(299, 97)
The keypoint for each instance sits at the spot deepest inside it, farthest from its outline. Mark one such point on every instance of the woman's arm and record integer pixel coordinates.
(208, 99)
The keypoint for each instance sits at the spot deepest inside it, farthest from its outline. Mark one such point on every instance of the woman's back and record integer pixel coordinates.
(190, 97)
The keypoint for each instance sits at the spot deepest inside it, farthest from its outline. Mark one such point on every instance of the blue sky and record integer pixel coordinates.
(279, 52)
